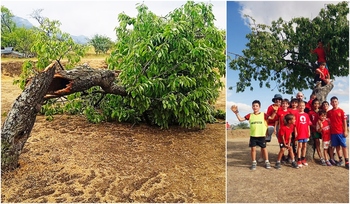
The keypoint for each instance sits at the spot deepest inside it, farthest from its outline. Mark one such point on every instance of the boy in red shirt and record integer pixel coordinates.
(302, 133)
(339, 130)
(321, 52)
(284, 139)
(322, 75)
(294, 110)
(316, 136)
(281, 113)
(323, 127)
(309, 103)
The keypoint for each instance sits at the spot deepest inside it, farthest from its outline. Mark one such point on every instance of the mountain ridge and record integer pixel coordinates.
(22, 22)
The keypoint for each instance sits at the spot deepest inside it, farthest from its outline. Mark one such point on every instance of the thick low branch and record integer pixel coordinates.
(16, 129)
(66, 82)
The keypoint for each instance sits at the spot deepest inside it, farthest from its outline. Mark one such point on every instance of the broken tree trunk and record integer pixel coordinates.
(53, 82)
(20, 120)
(82, 78)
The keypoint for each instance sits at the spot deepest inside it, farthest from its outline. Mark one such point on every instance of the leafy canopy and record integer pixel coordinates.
(280, 53)
(167, 66)
(101, 43)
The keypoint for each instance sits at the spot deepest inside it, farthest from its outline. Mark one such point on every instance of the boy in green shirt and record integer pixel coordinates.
(258, 128)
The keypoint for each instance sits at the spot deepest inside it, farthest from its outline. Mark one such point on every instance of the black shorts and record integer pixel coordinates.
(257, 141)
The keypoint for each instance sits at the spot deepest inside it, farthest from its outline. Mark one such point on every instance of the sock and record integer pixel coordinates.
(254, 161)
(340, 158)
(346, 159)
(266, 161)
(278, 161)
(302, 158)
(299, 159)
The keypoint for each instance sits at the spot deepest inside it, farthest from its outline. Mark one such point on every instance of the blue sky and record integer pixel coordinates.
(265, 12)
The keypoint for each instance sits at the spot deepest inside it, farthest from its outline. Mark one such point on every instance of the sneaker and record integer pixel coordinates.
(267, 165)
(333, 162)
(278, 165)
(268, 138)
(328, 163)
(299, 164)
(253, 167)
(295, 165)
(323, 162)
(304, 162)
(340, 162)
(347, 165)
(261, 160)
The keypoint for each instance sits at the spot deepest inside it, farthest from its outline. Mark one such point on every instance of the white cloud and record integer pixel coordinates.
(341, 87)
(241, 106)
(264, 12)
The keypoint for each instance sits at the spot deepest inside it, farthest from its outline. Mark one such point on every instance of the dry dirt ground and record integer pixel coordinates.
(71, 160)
(312, 184)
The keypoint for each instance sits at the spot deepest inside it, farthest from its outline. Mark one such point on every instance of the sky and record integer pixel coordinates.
(265, 13)
(100, 17)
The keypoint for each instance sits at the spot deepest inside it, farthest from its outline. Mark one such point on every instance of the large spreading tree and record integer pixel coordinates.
(278, 55)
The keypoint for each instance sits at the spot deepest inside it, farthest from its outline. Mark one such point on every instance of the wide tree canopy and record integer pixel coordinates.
(280, 53)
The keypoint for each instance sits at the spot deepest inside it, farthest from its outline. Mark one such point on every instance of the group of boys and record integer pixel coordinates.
(331, 126)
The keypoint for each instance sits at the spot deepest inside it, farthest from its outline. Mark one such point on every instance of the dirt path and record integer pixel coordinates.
(311, 184)
(71, 160)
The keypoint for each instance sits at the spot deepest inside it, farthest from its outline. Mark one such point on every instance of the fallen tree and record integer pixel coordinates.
(53, 82)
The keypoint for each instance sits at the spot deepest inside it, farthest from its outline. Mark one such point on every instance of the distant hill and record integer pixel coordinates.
(22, 22)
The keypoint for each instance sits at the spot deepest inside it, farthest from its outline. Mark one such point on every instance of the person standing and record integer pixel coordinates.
(316, 136)
(284, 140)
(321, 52)
(302, 133)
(300, 97)
(258, 128)
(323, 127)
(339, 130)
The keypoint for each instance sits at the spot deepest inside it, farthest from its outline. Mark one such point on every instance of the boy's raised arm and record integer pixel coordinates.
(234, 109)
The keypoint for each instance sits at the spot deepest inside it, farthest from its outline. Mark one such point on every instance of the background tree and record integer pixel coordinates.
(280, 53)
(23, 40)
(7, 27)
(51, 44)
(101, 43)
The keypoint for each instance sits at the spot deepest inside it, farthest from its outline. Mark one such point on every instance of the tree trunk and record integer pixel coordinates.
(323, 91)
(16, 129)
(321, 94)
(53, 82)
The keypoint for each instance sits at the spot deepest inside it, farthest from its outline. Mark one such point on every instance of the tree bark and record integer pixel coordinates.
(81, 78)
(323, 91)
(53, 82)
(20, 120)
